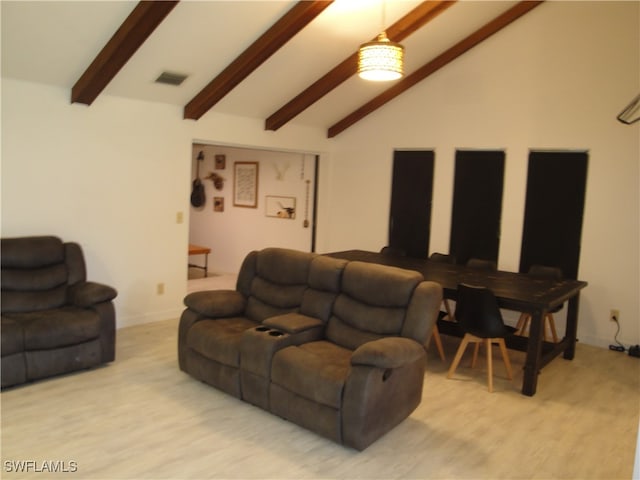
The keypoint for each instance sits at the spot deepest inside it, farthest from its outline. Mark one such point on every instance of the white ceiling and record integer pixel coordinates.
(53, 42)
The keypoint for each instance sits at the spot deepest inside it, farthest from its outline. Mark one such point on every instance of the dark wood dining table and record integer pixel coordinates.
(515, 291)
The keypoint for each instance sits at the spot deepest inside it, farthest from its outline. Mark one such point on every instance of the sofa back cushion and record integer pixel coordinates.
(278, 284)
(325, 280)
(34, 274)
(372, 304)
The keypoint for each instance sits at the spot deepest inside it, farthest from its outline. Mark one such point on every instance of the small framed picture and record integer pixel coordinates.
(281, 207)
(220, 162)
(218, 204)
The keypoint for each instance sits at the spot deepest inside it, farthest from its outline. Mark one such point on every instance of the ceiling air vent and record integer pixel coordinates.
(171, 78)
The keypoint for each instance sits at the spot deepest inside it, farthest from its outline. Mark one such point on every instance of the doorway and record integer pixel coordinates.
(279, 212)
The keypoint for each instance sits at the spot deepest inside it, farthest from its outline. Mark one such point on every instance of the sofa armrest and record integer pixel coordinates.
(216, 303)
(293, 323)
(389, 352)
(86, 294)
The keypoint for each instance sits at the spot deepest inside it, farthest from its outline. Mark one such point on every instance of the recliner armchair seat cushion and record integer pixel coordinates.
(315, 370)
(50, 362)
(47, 329)
(219, 339)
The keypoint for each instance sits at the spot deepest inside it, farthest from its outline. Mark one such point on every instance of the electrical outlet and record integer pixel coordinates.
(160, 289)
(614, 315)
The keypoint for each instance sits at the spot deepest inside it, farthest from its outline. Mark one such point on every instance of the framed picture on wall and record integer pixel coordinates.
(218, 204)
(281, 207)
(220, 162)
(245, 184)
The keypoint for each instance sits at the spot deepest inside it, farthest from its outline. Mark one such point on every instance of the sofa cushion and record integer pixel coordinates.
(277, 295)
(216, 303)
(13, 369)
(284, 266)
(372, 304)
(56, 328)
(219, 339)
(46, 363)
(315, 370)
(379, 285)
(31, 252)
(12, 338)
(87, 294)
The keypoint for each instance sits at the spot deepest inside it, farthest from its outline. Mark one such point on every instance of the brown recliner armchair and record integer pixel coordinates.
(53, 320)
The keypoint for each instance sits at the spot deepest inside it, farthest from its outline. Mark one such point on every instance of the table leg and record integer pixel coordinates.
(206, 264)
(534, 352)
(572, 327)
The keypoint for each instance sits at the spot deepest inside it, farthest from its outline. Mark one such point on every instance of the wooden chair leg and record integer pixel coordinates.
(505, 357)
(523, 323)
(487, 343)
(552, 327)
(476, 349)
(447, 308)
(435, 336)
(458, 357)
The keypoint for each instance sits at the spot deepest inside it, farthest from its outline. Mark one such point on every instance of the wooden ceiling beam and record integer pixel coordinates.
(434, 65)
(300, 15)
(133, 32)
(404, 27)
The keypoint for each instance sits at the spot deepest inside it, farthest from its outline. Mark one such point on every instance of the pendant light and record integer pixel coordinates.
(381, 60)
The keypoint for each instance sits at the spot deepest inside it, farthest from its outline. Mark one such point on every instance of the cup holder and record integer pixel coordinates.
(262, 329)
(275, 333)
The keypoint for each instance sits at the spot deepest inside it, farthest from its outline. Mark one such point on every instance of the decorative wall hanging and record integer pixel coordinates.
(218, 181)
(281, 207)
(245, 184)
(197, 192)
(305, 224)
(218, 204)
(220, 162)
(281, 170)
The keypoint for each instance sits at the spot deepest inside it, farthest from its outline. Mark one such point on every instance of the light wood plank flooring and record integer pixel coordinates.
(140, 417)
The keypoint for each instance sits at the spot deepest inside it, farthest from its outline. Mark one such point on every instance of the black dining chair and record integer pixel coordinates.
(395, 251)
(450, 259)
(482, 264)
(479, 317)
(524, 322)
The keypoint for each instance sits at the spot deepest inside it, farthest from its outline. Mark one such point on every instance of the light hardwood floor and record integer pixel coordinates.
(140, 417)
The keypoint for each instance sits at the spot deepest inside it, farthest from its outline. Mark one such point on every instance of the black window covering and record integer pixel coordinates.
(477, 205)
(554, 208)
(411, 198)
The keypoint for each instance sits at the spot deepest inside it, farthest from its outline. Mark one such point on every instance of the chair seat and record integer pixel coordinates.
(503, 331)
(219, 339)
(315, 370)
(48, 329)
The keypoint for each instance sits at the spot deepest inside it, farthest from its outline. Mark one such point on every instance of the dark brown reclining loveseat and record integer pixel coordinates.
(53, 320)
(334, 346)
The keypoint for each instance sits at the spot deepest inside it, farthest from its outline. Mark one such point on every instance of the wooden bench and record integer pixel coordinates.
(198, 250)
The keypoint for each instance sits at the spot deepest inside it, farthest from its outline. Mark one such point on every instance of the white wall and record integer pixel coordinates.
(237, 230)
(555, 79)
(113, 177)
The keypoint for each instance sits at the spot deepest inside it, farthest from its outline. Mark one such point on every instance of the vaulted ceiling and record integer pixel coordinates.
(285, 62)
